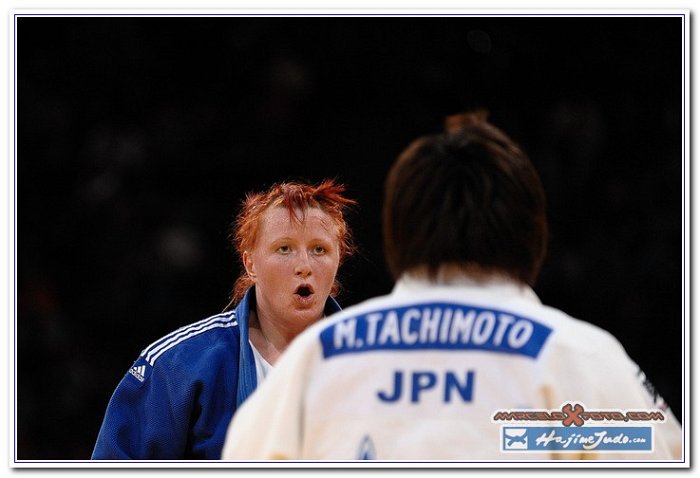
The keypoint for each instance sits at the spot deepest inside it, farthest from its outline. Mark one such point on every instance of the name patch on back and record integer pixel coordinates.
(436, 326)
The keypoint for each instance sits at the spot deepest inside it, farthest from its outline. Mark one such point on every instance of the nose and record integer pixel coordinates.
(303, 266)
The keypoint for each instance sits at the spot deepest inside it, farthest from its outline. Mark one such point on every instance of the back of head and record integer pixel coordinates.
(467, 198)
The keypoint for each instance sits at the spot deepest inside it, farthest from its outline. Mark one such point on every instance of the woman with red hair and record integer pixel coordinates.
(177, 399)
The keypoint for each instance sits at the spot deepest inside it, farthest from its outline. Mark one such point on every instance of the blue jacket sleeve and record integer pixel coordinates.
(148, 415)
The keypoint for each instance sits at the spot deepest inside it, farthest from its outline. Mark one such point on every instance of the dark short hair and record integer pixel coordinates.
(468, 197)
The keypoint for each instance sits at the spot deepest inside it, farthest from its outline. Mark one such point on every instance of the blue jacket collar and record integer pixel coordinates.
(247, 378)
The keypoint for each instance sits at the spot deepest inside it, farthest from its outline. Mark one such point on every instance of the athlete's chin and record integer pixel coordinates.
(308, 315)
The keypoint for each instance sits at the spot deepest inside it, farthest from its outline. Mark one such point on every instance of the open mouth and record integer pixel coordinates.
(304, 291)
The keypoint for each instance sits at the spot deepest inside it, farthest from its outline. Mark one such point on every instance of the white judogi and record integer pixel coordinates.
(421, 373)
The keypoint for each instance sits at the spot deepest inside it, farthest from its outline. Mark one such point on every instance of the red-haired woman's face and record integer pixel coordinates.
(293, 265)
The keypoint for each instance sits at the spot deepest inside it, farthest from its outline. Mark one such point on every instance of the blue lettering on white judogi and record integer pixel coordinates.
(436, 326)
(417, 383)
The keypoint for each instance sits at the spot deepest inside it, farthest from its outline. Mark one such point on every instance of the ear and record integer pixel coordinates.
(249, 264)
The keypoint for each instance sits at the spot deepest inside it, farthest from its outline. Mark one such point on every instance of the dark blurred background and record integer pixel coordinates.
(137, 137)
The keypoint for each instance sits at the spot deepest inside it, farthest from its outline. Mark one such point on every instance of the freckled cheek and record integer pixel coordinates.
(275, 276)
(327, 268)
(280, 265)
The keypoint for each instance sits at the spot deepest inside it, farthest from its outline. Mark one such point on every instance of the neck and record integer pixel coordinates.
(271, 337)
(450, 273)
